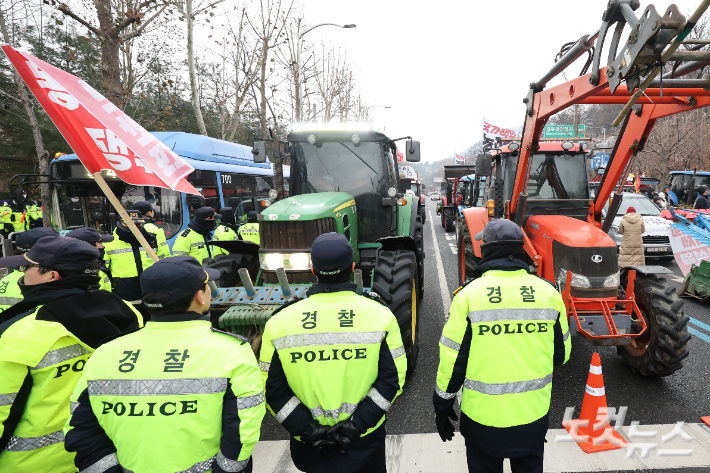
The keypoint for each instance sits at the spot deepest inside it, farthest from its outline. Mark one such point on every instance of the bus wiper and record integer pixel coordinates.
(358, 157)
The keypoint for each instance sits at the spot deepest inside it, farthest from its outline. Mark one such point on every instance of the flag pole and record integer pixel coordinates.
(124, 215)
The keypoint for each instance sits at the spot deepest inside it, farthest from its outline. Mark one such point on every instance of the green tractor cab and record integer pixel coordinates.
(343, 180)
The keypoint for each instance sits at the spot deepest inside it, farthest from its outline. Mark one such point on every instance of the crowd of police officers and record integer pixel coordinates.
(109, 361)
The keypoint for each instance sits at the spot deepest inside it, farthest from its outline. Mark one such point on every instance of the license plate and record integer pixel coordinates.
(658, 250)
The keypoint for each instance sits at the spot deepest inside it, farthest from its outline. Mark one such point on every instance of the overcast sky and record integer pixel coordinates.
(443, 65)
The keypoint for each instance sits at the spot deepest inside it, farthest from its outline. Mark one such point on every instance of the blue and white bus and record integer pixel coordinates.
(225, 174)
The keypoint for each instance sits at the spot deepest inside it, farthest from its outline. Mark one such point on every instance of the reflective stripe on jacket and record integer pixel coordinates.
(505, 332)
(331, 357)
(250, 232)
(173, 397)
(191, 243)
(10, 290)
(47, 359)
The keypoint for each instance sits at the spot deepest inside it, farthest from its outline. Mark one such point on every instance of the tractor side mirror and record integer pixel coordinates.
(413, 153)
(483, 164)
(259, 151)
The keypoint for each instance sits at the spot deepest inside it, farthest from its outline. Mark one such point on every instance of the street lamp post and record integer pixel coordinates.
(299, 44)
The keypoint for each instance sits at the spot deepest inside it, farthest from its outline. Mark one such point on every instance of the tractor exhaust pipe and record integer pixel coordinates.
(283, 282)
(358, 281)
(246, 282)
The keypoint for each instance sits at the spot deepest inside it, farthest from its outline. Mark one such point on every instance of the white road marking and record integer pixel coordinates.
(445, 296)
(427, 453)
(450, 237)
(678, 279)
(452, 247)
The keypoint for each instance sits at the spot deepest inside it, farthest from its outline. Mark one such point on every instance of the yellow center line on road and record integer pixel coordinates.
(445, 296)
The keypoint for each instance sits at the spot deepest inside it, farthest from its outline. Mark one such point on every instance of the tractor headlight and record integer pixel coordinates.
(273, 261)
(312, 139)
(579, 281)
(273, 194)
(288, 261)
(612, 281)
(300, 261)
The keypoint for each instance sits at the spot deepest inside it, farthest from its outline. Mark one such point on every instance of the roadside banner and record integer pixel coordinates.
(101, 135)
(492, 131)
(458, 159)
(686, 249)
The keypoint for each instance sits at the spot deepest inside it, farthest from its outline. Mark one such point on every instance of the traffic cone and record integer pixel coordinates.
(602, 436)
(706, 419)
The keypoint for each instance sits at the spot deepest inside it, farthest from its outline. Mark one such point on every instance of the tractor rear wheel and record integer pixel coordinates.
(468, 261)
(661, 350)
(395, 280)
(448, 220)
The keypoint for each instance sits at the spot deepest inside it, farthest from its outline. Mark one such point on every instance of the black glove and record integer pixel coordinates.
(444, 425)
(344, 433)
(319, 439)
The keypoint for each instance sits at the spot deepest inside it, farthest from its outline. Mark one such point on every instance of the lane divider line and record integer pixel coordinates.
(445, 296)
(699, 334)
(700, 324)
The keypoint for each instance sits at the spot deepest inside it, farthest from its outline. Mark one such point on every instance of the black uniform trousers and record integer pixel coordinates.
(479, 462)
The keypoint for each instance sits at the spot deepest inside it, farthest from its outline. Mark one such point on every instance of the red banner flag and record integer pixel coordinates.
(101, 135)
(400, 156)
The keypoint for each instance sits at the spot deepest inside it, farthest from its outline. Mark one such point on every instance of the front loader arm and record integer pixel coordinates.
(541, 106)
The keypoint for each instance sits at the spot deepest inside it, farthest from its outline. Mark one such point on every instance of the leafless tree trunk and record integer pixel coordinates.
(269, 29)
(185, 7)
(42, 154)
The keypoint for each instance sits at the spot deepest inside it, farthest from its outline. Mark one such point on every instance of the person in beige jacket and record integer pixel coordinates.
(632, 227)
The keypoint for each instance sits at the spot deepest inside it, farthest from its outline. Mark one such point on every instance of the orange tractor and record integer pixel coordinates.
(543, 186)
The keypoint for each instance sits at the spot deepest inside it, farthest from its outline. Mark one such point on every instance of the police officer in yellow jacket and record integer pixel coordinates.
(97, 240)
(505, 332)
(146, 209)
(250, 230)
(126, 258)
(332, 365)
(193, 240)
(10, 293)
(44, 346)
(225, 231)
(175, 396)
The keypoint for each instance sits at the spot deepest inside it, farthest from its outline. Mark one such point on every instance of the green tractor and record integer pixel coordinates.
(345, 181)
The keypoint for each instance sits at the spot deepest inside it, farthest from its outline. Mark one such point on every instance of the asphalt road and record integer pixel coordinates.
(680, 397)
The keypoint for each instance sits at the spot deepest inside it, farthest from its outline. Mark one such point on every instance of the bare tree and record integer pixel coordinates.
(42, 154)
(331, 78)
(190, 11)
(117, 25)
(269, 28)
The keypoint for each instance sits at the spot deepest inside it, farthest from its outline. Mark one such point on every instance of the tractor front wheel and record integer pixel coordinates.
(661, 349)
(395, 280)
(468, 261)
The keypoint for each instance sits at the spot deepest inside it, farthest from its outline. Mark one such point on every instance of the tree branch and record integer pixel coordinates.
(139, 31)
(65, 9)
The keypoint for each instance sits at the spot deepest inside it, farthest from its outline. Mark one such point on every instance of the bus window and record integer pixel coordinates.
(166, 202)
(238, 193)
(206, 183)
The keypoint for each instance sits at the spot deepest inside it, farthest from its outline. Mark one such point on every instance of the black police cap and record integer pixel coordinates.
(89, 235)
(178, 276)
(143, 206)
(206, 212)
(331, 254)
(26, 240)
(57, 253)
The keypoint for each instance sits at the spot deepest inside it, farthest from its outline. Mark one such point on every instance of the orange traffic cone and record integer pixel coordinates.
(593, 431)
(706, 419)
